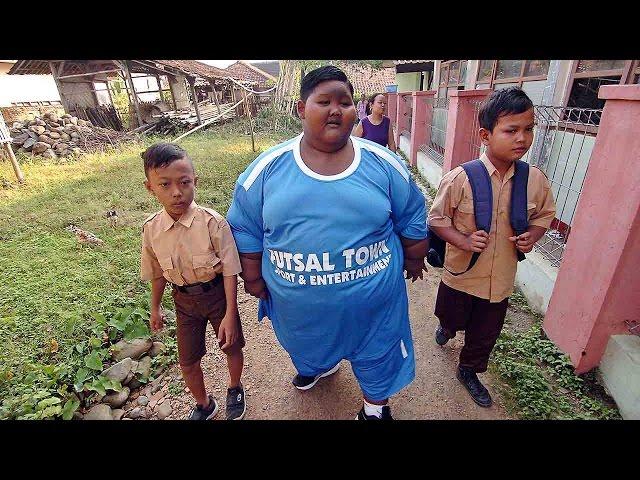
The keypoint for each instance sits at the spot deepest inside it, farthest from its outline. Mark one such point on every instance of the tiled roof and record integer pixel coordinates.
(366, 79)
(248, 72)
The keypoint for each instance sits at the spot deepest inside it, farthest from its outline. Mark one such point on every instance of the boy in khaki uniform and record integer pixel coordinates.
(476, 301)
(192, 248)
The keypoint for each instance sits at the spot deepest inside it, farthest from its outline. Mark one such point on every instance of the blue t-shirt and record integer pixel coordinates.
(332, 259)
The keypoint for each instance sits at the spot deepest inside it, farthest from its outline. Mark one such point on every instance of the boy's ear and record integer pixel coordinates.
(300, 107)
(147, 185)
(484, 136)
(195, 181)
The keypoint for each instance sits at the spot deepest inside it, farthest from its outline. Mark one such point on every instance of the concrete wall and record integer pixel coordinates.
(620, 373)
(405, 144)
(430, 170)
(536, 278)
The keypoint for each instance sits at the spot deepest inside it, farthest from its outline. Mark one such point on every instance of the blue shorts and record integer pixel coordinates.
(380, 373)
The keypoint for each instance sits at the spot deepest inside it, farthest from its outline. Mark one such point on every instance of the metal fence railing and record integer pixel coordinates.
(563, 140)
(436, 125)
(408, 115)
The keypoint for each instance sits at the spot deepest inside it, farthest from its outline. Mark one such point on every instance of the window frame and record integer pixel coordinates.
(446, 65)
(520, 79)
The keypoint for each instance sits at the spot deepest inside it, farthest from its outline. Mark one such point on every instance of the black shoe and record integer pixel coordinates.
(236, 404)
(305, 383)
(199, 413)
(386, 414)
(478, 392)
(441, 336)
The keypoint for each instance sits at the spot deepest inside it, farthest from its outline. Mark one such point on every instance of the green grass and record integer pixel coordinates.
(52, 284)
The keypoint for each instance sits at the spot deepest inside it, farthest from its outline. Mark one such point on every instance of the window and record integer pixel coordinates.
(452, 76)
(589, 75)
(530, 75)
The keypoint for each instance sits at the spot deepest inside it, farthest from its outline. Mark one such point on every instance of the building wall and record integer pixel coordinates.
(179, 88)
(78, 93)
(408, 82)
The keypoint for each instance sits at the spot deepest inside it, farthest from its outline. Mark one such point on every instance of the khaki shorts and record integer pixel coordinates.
(193, 311)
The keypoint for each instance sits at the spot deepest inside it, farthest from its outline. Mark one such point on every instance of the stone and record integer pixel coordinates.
(144, 368)
(39, 129)
(40, 147)
(77, 416)
(49, 154)
(55, 135)
(40, 122)
(65, 137)
(133, 349)
(60, 146)
(99, 412)
(74, 120)
(28, 144)
(76, 151)
(70, 129)
(17, 125)
(118, 413)
(155, 385)
(20, 139)
(135, 413)
(143, 400)
(46, 139)
(118, 371)
(130, 376)
(135, 383)
(117, 399)
(156, 349)
(164, 410)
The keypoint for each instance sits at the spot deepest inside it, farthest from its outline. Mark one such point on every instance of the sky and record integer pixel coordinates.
(226, 63)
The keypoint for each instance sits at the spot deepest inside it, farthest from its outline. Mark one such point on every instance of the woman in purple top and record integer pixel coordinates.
(376, 126)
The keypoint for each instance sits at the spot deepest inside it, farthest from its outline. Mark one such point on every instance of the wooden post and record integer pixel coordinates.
(215, 96)
(55, 75)
(248, 110)
(14, 162)
(159, 86)
(132, 89)
(194, 97)
(173, 97)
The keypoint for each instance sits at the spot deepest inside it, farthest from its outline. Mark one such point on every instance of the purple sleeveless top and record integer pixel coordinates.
(376, 133)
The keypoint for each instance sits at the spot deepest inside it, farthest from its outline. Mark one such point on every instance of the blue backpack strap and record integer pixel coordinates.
(518, 214)
(482, 192)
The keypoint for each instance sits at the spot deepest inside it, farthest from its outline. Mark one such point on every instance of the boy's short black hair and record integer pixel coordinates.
(319, 75)
(162, 154)
(507, 101)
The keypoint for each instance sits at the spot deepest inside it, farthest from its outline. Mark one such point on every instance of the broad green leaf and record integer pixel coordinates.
(96, 386)
(98, 317)
(69, 407)
(93, 361)
(47, 402)
(52, 411)
(79, 348)
(110, 384)
(95, 342)
(136, 329)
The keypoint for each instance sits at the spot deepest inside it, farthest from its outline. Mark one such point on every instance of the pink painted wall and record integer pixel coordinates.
(598, 283)
(392, 107)
(401, 116)
(460, 123)
(418, 123)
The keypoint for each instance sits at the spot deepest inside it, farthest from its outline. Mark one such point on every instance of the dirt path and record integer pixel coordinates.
(434, 394)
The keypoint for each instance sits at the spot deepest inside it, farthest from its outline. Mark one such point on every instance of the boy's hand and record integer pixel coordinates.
(414, 268)
(156, 321)
(256, 288)
(228, 331)
(524, 242)
(476, 242)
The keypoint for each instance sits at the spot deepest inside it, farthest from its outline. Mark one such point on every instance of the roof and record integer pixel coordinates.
(248, 72)
(366, 79)
(272, 68)
(189, 67)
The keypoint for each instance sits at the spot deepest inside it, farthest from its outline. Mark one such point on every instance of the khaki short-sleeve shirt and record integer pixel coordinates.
(493, 275)
(195, 248)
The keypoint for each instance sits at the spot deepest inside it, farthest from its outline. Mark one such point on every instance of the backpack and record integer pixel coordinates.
(483, 207)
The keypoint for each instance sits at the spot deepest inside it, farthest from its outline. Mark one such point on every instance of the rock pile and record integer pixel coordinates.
(51, 136)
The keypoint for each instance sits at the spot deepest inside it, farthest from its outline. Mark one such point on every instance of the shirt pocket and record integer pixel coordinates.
(169, 272)
(464, 219)
(203, 266)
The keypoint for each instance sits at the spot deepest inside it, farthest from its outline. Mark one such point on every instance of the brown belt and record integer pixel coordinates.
(198, 287)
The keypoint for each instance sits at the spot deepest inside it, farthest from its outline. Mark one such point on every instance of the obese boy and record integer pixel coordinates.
(476, 301)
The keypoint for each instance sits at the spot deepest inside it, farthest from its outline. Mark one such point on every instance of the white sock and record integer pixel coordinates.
(371, 409)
